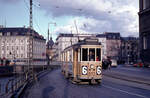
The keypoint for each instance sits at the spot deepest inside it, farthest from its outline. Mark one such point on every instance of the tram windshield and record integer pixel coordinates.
(84, 54)
(91, 54)
(98, 54)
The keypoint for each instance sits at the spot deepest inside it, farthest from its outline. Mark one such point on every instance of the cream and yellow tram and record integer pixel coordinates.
(82, 62)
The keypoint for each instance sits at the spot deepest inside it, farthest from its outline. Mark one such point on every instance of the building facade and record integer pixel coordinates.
(106, 39)
(18, 46)
(66, 40)
(129, 49)
(113, 44)
(144, 29)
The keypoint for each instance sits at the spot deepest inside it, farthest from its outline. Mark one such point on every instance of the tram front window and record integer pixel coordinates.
(92, 54)
(98, 54)
(84, 54)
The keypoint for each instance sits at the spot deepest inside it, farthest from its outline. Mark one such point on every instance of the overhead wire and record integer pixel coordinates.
(27, 6)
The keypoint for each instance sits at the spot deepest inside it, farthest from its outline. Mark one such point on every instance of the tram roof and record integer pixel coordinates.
(87, 41)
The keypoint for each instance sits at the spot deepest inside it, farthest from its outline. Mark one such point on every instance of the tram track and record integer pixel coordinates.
(127, 78)
(56, 86)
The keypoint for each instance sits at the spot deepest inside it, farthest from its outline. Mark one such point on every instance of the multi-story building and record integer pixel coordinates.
(113, 43)
(129, 49)
(65, 40)
(17, 44)
(110, 43)
(144, 29)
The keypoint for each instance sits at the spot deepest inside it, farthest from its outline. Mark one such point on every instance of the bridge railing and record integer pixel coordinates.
(21, 77)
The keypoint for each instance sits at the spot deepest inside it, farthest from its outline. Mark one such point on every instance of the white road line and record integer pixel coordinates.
(130, 69)
(116, 89)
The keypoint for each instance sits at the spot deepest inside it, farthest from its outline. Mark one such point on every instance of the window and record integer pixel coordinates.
(1, 33)
(21, 55)
(17, 47)
(8, 33)
(92, 54)
(68, 57)
(146, 4)
(98, 54)
(3, 48)
(144, 42)
(7, 47)
(84, 54)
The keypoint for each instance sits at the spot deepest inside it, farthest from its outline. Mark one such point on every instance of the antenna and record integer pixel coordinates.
(48, 37)
(71, 37)
(31, 16)
(5, 23)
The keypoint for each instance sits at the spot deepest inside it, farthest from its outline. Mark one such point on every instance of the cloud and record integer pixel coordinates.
(9, 1)
(98, 15)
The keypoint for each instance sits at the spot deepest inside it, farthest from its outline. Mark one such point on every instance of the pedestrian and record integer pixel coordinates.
(105, 64)
(109, 63)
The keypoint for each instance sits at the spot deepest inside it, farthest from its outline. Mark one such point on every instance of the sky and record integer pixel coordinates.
(90, 16)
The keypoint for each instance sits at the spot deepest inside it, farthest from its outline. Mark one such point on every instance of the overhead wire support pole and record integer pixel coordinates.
(31, 17)
(30, 48)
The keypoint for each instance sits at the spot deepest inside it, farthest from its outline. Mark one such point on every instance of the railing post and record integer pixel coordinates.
(12, 86)
(0, 88)
(6, 87)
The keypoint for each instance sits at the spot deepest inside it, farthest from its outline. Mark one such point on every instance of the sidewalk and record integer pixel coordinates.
(127, 76)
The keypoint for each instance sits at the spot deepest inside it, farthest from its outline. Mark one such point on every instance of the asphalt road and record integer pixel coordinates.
(142, 71)
(54, 85)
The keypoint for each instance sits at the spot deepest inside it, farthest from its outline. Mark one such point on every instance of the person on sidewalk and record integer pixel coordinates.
(109, 63)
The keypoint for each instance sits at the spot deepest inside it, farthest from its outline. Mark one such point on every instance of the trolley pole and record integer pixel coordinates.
(76, 29)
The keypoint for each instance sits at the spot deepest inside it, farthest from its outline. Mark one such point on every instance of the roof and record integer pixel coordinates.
(20, 31)
(86, 41)
(73, 35)
(129, 38)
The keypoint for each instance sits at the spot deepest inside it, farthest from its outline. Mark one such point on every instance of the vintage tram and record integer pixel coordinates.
(82, 62)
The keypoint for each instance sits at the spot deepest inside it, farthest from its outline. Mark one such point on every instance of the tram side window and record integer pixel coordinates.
(84, 54)
(92, 54)
(98, 54)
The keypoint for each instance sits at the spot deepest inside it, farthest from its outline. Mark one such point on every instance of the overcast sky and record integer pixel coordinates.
(91, 16)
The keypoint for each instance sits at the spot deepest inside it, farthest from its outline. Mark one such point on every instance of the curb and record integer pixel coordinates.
(128, 78)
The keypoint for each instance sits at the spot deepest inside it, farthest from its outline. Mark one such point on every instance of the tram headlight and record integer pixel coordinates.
(84, 70)
(92, 66)
(98, 70)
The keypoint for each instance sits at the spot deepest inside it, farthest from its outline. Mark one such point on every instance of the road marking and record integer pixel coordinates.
(130, 69)
(125, 91)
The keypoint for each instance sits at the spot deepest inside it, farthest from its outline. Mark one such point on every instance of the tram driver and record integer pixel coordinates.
(92, 56)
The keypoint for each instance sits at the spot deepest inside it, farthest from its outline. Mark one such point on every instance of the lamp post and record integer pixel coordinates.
(128, 58)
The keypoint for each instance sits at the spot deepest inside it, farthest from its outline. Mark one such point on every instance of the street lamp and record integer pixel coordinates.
(128, 58)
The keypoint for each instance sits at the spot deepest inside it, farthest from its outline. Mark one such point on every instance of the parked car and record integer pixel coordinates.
(139, 63)
(114, 63)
